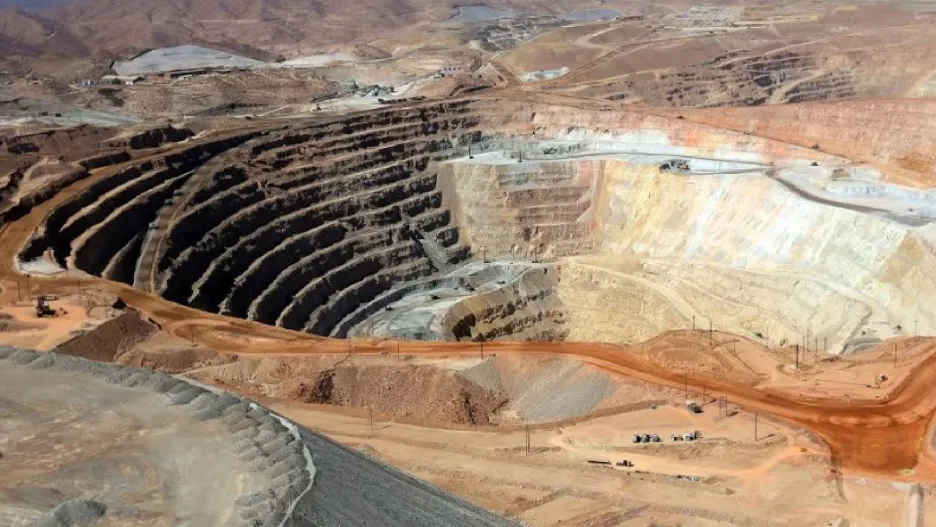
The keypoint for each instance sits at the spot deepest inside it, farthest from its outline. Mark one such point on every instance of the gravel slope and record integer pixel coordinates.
(268, 457)
(353, 490)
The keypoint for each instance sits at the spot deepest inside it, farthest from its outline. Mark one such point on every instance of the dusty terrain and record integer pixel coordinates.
(487, 245)
(556, 485)
(578, 296)
(147, 462)
(112, 445)
(284, 58)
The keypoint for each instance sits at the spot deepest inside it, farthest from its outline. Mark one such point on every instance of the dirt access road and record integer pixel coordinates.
(876, 437)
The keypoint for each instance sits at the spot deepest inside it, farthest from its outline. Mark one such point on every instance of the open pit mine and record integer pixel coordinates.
(488, 264)
(482, 220)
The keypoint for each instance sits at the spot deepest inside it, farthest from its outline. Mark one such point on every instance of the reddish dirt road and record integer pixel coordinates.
(880, 437)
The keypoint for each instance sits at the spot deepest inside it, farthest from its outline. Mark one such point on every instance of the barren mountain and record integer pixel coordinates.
(31, 34)
(281, 26)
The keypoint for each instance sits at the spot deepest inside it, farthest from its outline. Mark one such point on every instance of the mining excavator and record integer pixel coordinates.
(43, 309)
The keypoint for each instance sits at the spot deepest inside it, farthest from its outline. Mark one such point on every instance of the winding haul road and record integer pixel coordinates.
(871, 437)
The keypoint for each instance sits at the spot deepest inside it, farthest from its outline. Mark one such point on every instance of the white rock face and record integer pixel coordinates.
(757, 240)
(843, 262)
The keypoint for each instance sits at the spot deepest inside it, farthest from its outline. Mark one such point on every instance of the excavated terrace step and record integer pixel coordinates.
(315, 292)
(196, 222)
(267, 237)
(93, 249)
(264, 270)
(275, 299)
(283, 213)
(329, 314)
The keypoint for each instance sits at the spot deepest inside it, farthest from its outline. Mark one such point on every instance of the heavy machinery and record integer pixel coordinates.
(677, 165)
(43, 309)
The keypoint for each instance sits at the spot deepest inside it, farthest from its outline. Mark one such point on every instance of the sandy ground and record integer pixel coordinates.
(555, 485)
(150, 463)
(25, 329)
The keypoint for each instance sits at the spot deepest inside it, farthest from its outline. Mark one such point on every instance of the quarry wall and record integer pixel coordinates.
(725, 242)
(319, 227)
(749, 253)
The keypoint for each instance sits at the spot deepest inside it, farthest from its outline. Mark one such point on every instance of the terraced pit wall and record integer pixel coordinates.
(319, 227)
(734, 247)
(296, 227)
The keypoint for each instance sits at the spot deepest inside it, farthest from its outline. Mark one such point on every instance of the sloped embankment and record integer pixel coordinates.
(111, 339)
(291, 477)
(438, 392)
(119, 408)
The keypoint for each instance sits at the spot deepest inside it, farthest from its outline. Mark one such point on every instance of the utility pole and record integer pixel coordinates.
(711, 333)
(371, 412)
(528, 440)
(693, 322)
(797, 356)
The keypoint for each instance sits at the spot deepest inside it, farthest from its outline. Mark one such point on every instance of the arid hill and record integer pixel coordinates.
(31, 34)
(125, 26)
